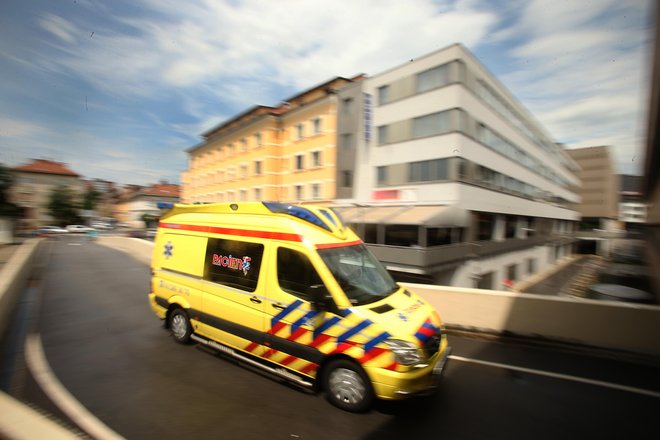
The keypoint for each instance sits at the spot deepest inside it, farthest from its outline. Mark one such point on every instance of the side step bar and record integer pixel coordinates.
(280, 372)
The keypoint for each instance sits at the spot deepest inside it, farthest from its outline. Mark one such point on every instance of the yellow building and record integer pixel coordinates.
(285, 153)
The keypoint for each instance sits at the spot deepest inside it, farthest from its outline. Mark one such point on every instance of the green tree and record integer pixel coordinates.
(62, 206)
(90, 199)
(150, 220)
(6, 180)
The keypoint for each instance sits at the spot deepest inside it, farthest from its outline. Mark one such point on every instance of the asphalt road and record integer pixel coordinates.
(109, 350)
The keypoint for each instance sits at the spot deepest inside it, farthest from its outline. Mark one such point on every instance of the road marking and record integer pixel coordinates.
(60, 396)
(558, 376)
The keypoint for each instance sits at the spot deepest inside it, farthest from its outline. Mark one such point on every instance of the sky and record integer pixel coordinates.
(119, 90)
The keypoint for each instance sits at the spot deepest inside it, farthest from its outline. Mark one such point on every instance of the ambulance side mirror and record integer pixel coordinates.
(321, 299)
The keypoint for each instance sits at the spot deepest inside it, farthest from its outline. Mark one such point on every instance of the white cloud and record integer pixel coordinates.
(578, 66)
(14, 128)
(291, 43)
(58, 27)
(581, 70)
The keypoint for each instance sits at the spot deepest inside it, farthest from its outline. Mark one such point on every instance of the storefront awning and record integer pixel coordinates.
(430, 216)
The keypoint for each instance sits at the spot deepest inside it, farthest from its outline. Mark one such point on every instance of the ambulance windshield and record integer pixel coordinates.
(362, 277)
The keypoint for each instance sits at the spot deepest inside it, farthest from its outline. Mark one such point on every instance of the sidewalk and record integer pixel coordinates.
(552, 280)
(6, 251)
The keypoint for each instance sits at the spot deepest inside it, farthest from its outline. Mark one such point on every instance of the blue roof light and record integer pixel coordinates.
(296, 211)
(165, 205)
(328, 216)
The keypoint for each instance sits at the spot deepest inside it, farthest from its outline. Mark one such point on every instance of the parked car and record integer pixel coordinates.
(101, 226)
(79, 229)
(51, 230)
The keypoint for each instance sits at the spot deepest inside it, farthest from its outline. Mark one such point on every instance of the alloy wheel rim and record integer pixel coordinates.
(347, 386)
(179, 327)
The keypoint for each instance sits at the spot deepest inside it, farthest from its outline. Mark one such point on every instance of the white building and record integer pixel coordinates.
(448, 178)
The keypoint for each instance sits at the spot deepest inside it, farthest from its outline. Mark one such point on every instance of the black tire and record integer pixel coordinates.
(179, 325)
(347, 386)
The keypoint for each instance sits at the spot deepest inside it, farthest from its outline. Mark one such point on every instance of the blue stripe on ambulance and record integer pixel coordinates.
(355, 330)
(290, 308)
(424, 337)
(326, 325)
(309, 315)
(375, 341)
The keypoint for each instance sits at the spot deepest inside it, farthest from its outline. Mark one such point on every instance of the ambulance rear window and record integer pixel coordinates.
(233, 263)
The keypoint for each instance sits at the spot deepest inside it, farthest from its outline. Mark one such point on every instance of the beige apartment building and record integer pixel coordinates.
(33, 184)
(600, 187)
(137, 201)
(283, 153)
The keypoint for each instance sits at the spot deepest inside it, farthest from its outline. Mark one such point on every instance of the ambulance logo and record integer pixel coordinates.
(232, 262)
(168, 250)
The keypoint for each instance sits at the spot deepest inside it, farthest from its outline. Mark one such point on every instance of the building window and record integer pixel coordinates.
(443, 236)
(512, 272)
(316, 122)
(258, 140)
(300, 130)
(257, 194)
(347, 106)
(511, 226)
(382, 135)
(531, 266)
(316, 191)
(300, 163)
(381, 175)
(383, 95)
(485, 227)
(485, 281)
(370, 233)
(346, 141)
(299, 192)
(347, 179)
(402, 235)
(258, 168)
(243, 195)
(244, 171)
(244, 145)
(431, 125)
(461, 168)
(316, 158)
(427, 170)
(432, 78)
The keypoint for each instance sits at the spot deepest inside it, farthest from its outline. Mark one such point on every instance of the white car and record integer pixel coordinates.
(48, 230)
(79, 228)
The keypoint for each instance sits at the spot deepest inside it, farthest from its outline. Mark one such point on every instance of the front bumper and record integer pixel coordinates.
(158, 309)
(393, 385)
(436, 375)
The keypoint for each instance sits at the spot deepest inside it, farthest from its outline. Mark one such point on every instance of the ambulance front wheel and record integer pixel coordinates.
(180, 327)
(347, 386)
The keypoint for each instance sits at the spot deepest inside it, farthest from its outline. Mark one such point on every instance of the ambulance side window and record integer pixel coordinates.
(233, 263)
(295, 274)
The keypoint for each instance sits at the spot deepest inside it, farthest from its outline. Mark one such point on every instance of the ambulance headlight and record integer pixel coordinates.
(406, 353)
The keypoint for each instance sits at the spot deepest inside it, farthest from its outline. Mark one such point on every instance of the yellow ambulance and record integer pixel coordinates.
(291, 290)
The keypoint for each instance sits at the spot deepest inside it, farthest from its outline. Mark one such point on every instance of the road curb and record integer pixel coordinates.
(18, 421)
(60, 396)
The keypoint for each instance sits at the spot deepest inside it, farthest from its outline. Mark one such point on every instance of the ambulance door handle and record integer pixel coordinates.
(255, 300)
(279, 306)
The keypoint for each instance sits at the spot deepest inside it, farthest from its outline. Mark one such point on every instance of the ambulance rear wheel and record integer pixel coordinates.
(180, 326)
(347, 386)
